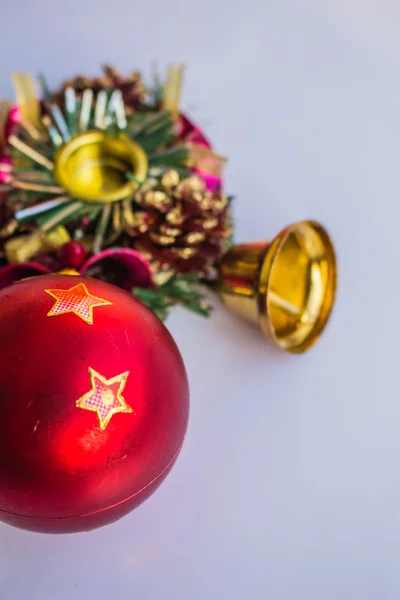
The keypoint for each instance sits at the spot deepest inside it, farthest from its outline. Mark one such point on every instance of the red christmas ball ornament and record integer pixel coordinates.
(93, 403)
(72, 254)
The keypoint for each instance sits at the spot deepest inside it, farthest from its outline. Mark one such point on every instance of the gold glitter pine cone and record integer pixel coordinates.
(180, 225)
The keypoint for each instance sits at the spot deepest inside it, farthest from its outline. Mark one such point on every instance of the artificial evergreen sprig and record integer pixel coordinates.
(179, 289)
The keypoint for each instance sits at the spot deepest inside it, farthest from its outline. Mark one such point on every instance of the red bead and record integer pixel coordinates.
(72, 254)
(94, 403)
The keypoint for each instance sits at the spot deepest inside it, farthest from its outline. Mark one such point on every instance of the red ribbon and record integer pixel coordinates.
(129, 269)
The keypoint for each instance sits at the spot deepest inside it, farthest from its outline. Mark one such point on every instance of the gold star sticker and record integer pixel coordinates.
(105, 398)
(76, 300)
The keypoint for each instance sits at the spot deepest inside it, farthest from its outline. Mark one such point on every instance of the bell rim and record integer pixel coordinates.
(329, 292)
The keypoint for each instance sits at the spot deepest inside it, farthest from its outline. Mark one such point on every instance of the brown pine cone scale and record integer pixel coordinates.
(180, 225)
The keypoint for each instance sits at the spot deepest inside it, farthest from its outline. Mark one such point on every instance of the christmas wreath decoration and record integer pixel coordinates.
(109, 167)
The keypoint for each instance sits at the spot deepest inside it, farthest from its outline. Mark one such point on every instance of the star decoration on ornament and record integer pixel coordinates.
(105, 398)
(76, 300)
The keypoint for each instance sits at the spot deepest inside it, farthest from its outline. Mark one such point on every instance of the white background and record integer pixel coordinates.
(288, 486)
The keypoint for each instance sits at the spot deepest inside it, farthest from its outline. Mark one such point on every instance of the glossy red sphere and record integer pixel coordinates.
(93, 403)
(72, 254)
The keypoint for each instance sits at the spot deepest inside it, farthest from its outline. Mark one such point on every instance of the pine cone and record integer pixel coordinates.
(132, 87)
(180, 226)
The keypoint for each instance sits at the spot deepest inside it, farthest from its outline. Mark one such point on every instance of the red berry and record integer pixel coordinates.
(73, 254)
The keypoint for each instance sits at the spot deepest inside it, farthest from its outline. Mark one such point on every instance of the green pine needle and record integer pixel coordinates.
(172, 157)
(143, 124)
(151, 141)
(43, 84)
(179, 289)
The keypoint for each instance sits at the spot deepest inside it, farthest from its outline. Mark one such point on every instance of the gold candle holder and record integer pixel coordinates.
(94, 166)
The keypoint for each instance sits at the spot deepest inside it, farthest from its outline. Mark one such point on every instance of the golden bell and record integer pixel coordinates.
(286, 286)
